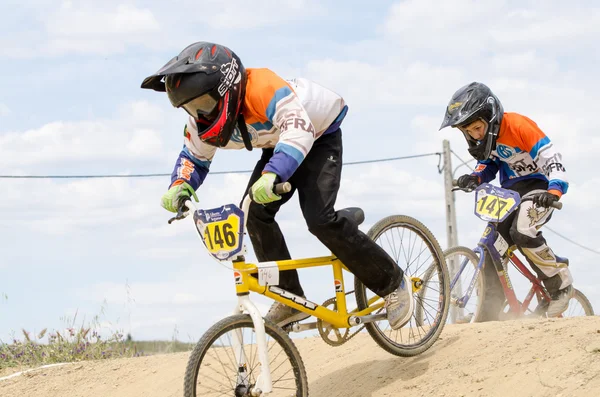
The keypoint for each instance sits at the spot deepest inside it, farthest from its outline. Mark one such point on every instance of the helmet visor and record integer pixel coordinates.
(203, 105)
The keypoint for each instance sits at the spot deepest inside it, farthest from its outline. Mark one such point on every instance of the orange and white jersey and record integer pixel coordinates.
(523, 151)
(285, 115)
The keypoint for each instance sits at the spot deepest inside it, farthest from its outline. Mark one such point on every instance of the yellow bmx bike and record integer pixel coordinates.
(245, 355)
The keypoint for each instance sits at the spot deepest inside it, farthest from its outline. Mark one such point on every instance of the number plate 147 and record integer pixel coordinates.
(493, 208)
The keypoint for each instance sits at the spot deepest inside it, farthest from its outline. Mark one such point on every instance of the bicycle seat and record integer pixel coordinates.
(353, 213)
(560, 259)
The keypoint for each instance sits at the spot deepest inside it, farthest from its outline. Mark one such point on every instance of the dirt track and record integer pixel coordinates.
(517, 358)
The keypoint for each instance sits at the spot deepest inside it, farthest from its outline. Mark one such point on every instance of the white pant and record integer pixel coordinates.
(525, 233)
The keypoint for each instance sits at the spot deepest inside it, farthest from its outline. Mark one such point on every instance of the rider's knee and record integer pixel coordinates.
(521, 239)
(257, 219)
(257, 212)
(320, 225)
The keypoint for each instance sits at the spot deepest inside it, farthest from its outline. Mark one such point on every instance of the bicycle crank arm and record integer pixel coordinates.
(369, 318)
(297, 327)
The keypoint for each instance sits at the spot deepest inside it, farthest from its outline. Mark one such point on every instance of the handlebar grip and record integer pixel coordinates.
(557, 204)
(455, 182)
(278, 188)
(281, 188)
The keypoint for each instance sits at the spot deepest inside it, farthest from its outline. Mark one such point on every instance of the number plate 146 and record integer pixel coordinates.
(221, 230)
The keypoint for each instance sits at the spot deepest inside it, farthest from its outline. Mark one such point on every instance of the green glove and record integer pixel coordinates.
(170, 200)
(262, 190)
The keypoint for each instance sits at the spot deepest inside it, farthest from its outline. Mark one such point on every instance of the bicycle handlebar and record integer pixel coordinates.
(467, 189)
(557, 204)
(278, 188)
(281, 188)
(184, 207)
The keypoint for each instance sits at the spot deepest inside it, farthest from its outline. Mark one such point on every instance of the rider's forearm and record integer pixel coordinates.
(486, 171)
(188, 170)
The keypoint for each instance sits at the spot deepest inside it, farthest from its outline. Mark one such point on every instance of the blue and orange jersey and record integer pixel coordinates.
(523, 151)
(285, 115)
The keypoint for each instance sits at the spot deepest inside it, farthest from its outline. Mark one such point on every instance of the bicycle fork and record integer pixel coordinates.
(464, 299)
(264, 383)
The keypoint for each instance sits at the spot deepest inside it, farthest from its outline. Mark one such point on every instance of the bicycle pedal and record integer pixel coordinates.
(297, 327)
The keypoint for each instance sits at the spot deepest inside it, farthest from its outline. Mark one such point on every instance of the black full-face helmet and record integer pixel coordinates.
(474, 102)
(209, 81)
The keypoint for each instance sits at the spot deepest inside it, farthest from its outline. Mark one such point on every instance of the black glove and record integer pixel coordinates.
(468, 181)
(545, 199)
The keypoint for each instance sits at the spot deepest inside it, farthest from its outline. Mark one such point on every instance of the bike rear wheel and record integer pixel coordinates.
(212, 369)
(418, 253)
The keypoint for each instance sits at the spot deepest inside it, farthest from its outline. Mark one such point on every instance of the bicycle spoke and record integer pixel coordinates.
(419, 265)
(253, 355)
(430, 288)
(231, 361)
(395, 253)
(420, 253)
(412, 249)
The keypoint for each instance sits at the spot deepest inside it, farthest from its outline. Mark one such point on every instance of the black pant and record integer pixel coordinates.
(318, 181)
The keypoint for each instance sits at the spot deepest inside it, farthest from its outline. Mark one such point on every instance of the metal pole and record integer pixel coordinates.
(451, 229)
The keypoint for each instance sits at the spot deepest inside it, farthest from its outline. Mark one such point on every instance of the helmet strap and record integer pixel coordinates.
(244, 131)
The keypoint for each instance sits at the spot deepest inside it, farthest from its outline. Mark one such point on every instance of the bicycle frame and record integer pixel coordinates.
(246, 282)
(487, 246)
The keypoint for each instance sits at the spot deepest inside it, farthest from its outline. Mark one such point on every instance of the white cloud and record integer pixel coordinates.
(145, 114)
(392, 81)
(123, 20)
(525, 64)
(145, 142)
(454, 27)
(234, 14)
(72, 205)
(128, 139)
(96, 30)
(549, 25)
(90, 28)
(416, 17)
(467, 29)
(73, 142)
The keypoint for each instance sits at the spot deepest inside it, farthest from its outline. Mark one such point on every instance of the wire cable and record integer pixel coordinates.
(572, 241)
(212, 173)
(463, 162)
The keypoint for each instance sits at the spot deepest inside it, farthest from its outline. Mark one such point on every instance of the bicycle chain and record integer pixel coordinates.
(324, 334)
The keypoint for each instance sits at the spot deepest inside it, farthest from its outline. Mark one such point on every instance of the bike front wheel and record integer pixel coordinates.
(213, 368)
(414, 248)
(463, 262)
(579, 305)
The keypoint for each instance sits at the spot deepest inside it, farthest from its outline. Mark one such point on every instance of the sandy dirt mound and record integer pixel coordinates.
(558, 357)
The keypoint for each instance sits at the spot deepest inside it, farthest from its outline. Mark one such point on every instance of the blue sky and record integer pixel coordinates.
(71, 104)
